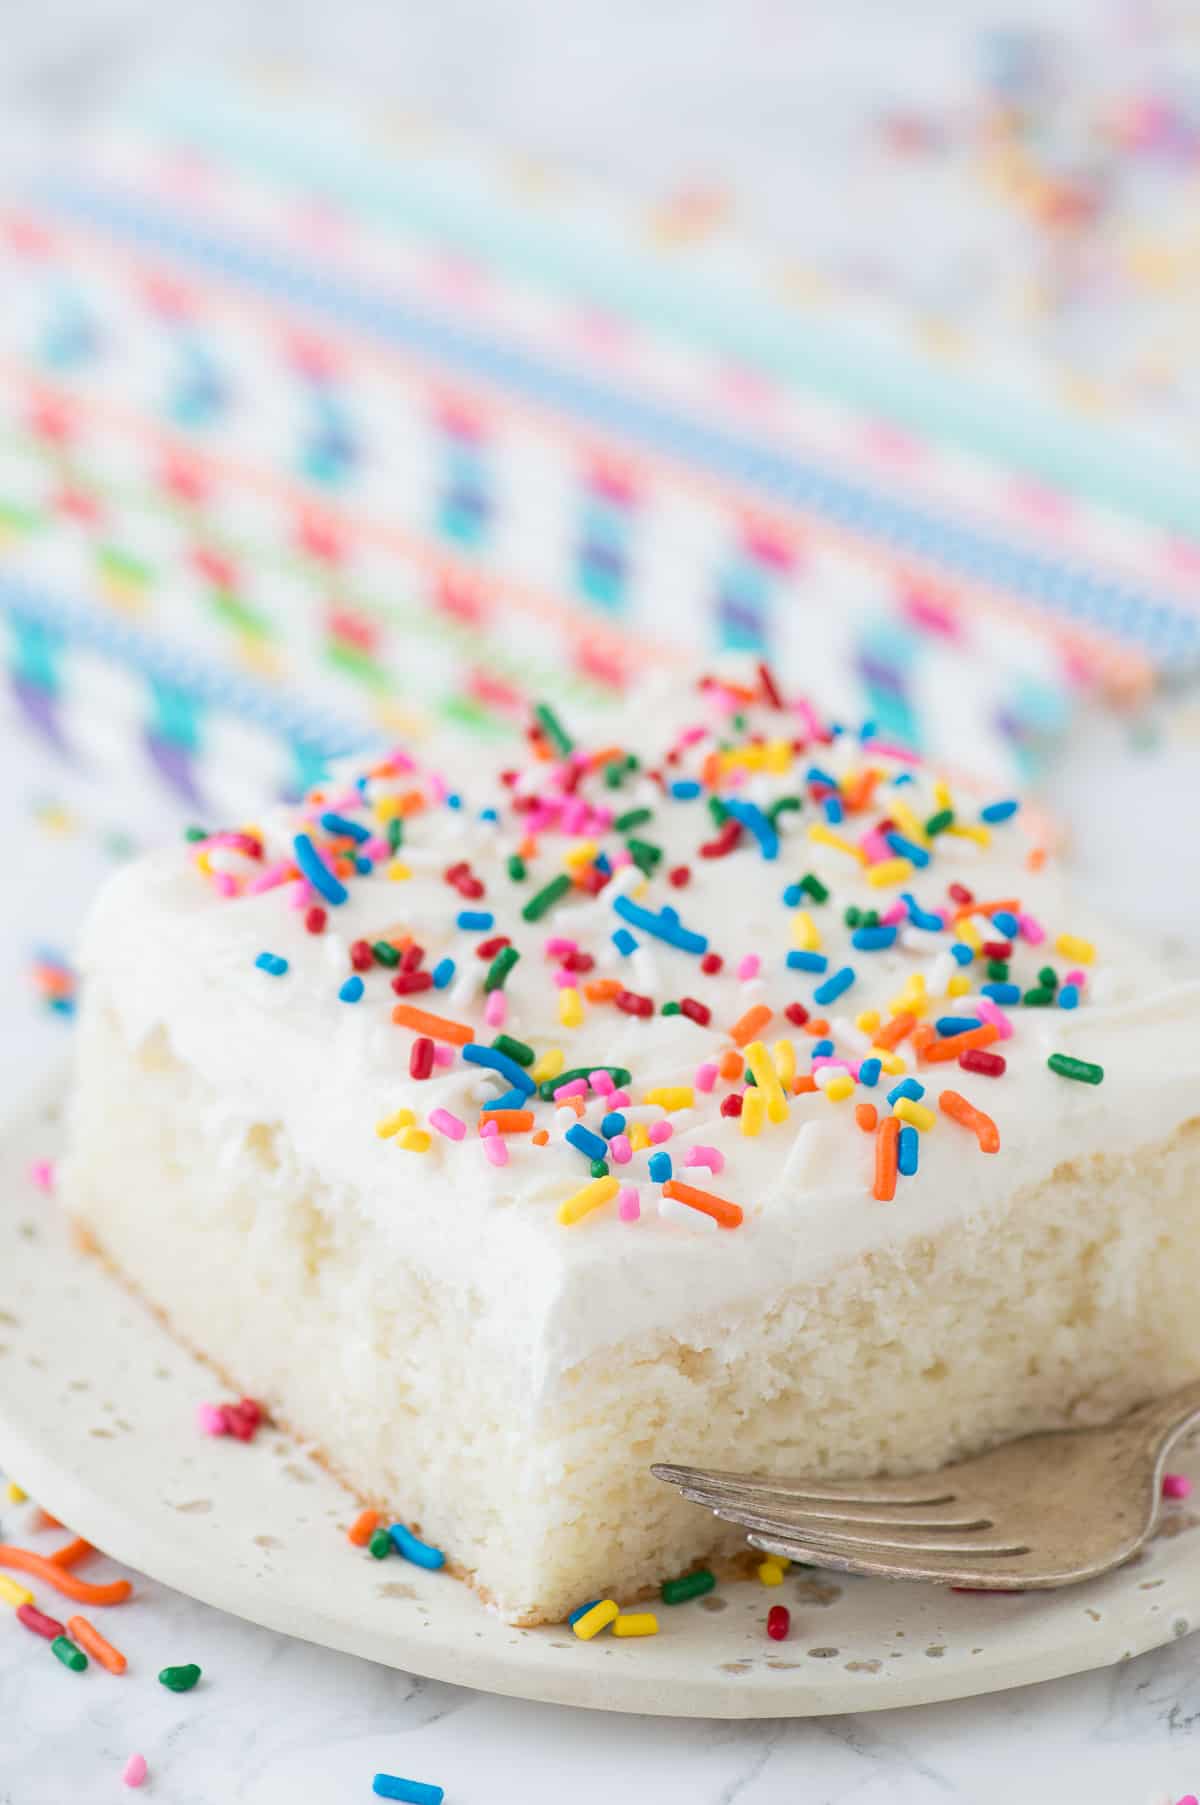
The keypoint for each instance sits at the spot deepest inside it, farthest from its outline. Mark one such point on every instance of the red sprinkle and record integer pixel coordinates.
(577, 962)
(725, 841)
(797, 1014)
(710, 963)
(243, 1418)
(696, 1012)
(41, 1625)
(420, 1058)
(487, 949)
(732, 1104)
(412, 958)
(315, 919)
(779, 1622)
(960, 894)
(680, 875)
(407, 983)
(991, 1065)
(633, 1004)
(997, 949)
(361, 956)
(593, 880)
(770, 688)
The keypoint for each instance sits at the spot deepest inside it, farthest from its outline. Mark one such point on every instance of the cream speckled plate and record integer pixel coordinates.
(97, 1409)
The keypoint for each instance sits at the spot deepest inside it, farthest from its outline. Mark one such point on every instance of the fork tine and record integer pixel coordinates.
(985, 1573)
(790, 1510)
(915, 1539)
(929, 1490)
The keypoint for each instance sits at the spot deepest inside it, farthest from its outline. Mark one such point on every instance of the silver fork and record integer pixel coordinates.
(1047, 1510)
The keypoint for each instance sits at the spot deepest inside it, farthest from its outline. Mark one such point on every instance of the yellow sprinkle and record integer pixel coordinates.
(754, 1110)
(671, 1096)
(386, 807)
(639, 1136)
(637, 1623)
(901, 813)
(570, 1007)
(959, 985)
(888, 871)
(805, 933)
(413, 1140)
(771, 1573)
(909, 1110)
(398, 871)
(390, 1125)
(588, 1198)
(13, 1594)
(547, 1065)
(777, 757)
(1072, 947)
(825, 836)
(582, 853)
(14, 1494)
(598, 1618)
(969, 934)
(784, 1055)
(889, 1060)
(767, 1080)
(868, 1021)
(840, 1087)
(782, 1561)
(941, 794)
(971, 830)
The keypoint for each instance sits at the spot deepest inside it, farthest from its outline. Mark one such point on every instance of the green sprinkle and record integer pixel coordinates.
(692, 1585)
(852, 916)
(599, 1168)
(997, 970)
(738, 723)
(812, 886)
(632, 818)
(380, 1544)
(748, 1076)
(937, 824)
(619, 1074)
(385, 952)
(670, 1009)
(554, 730)
(395, 834)
(68, 1654)
(546, 898)
(718, 811)
(195, 833)
(632, 763)
(783, 805)
(644, 855)
(614, 776)
(870, 918)
(1081, 1069)
(180, 1679)
(1038, 998)
(1049, 977)
(514, 1049)
(516, 868)
(502, 964)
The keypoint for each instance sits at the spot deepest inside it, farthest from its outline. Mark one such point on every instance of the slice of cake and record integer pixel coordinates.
(732, 1092)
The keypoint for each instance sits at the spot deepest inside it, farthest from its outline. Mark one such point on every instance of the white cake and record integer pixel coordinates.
(496, 1352)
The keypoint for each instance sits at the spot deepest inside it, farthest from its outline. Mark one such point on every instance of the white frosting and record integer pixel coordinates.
(165, 951)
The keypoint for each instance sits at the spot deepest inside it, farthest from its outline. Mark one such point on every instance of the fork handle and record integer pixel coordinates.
(1165, 1418)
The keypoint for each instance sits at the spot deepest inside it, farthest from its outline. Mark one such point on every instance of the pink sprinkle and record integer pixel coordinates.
(712, 1157)
(489, 1126)
(278, 873)
(889, 749)
(299, 894)
(706, 1077)
(134, 1771)
(443, 1056)
(602, 1083)
(438, 787)
(893, 916)
(224, 883)
(991, 1012)
(805, 711)
(620, 1150)
(41, 1174)
(618, 1100)
(574, 816)
(377, 849)
(875, 847)
(827, 1059)
(1031, 929)
(659, 1132)
(620, 858)
(1176, 1485)
(628, 1206)
(494, 1147)
(576, 1088)
(556, 947)
(210, 1420)
(564, 979)
(495, 1009)
(450, 1125)
(1078, 978)
(750, 966)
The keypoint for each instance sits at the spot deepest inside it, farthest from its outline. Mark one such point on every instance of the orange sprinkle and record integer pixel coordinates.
(528, 847)
(816, 1025)
(749, 1026)
(411, 803)
(71, 1553)
(731, 1065)
(1010, 905)
(924, 1035)
(607, 755)
(438, 1027)
(578, 1104)
(1036, 858)
(602, 990)
(43, 1520)
(363, 1527)
(887, 1144)
(540, 1137)
(858, 796)
(803, 1084)
(893, 1032)
(938, 1052)
(954, 1105)
(508, 1121)
(710, 771)
(866, 1115)
(26, 1561)
(96, 1645)
(724, 1213)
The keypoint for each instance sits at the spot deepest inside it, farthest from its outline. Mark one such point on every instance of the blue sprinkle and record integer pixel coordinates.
(920, 918)
(602, 862)
(317, 871)
(909, 1150)
(276, 966)
(411, 1792)
(489, 814)
(413, 1549)
(660, 1167)
(873, 940)
(907, 1087)
(902, 778)
(822, 1049)
(1007, 924)
(685, 789)
(442, 973)
(907, 849)
(792, 895)
(798, 961)
(499, 1062)
(868, 1072)
(587, 1142)
(1001, 993)
(352, 989)
(582, 1610)
(962, 952)
(476, 919)
(957, 1024)
(509, 1100)
(1068, 997)
(348, 830)
(999, 811)
(363, 865)
(868, 730)
(836, 986)
(624, 941)
(664, 926)
(835, 814)
(454, 800)
(613, 1123)
(753, 818)
(815, 774)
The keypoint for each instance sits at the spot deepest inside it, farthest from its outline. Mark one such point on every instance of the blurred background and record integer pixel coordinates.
(365, 369)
